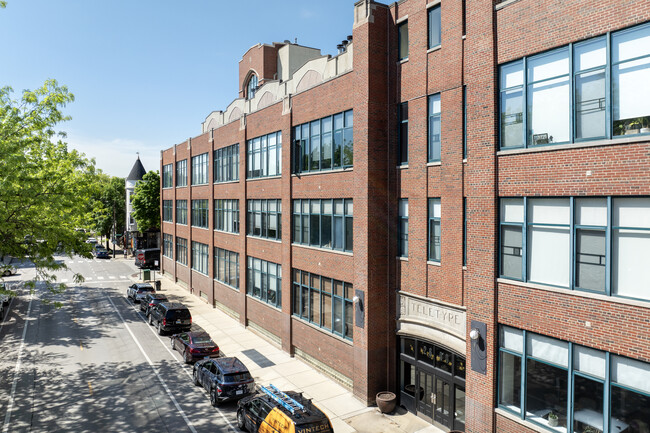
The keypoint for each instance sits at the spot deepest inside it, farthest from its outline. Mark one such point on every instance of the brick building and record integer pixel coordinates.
(456, 207)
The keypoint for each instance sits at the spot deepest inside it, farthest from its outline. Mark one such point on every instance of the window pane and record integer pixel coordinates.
(337, 305)
(590, 259)
(549, 211)
(590, 54)
(631, 373)
(631, 43)
(591, 211)
(434, 26)
(512, 210)
(314, 313)
(548, 349)
(327, 151)
(631, 263)
(512, 339)
(349, 237)
(510, 381)
(631, 91)
(326, 231)
(511, 252)
(589, 361)
(590, 104)
(349, 316)
(548, 112)
(549, 255)
(326, 313)
(629, 408)
(587, 404)
(546, 392)
(512, 118)
(512, 75)
(548, 65)
(403, 40)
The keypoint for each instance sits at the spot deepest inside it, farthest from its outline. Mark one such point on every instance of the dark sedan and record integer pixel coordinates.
(195, 345)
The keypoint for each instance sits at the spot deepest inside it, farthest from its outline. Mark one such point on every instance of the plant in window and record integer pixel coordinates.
(633, 126)
(552, 419)
(590, 429)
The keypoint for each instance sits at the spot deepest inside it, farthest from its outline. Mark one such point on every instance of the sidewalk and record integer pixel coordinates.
(269, 364)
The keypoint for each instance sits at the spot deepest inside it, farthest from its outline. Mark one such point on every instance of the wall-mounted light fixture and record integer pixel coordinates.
(477, 335)
(474, 334)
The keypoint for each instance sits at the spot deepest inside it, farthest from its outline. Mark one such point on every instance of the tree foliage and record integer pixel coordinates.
(44, 186)
(110, 205)
(146, 202)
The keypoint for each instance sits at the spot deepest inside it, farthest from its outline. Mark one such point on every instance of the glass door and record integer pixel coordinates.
(442, 402)
(426, 395)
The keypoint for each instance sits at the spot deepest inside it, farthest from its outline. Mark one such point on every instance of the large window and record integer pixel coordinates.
(200, 169)
(200, 257)
(264, 281)
(181, 212)
(226, 164)
(434, 128)
(264, 155)
(181, 173)
(251, 86)
(226, 215)
(181, 251)
(587, 243)
(200, 213)
(324, 144)
(434, 26)
(168, 245)
(403, 133)
(323, 301)
(168, 210)
(434, 229)
(265, 219)
(566, 384)
(167, 177)
(403, 228)
(226, 267)
(403, 40)
(323, 223)
(562, 96)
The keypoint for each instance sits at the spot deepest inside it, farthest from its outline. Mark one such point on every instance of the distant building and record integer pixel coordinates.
(136, 174)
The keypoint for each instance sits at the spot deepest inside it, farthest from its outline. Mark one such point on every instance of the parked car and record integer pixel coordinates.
(170, 317)
(150, 300)
(5, 299)
(137, 291)
(8, 270)
(91, 241)
(100, 252)
(223, 378)
(147, 258)
(195, 345)
(271, 410)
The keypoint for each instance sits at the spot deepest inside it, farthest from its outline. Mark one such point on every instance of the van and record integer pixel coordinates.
(148, 258)
(274, 411)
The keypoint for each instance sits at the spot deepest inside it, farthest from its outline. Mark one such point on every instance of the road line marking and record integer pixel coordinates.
(89, 278)
(155, 370)
(80, 261)
(111, 277)
(81, 346)
(65, 280)
(5, 428)
(100, 278)
(182, 364)
(90, 388)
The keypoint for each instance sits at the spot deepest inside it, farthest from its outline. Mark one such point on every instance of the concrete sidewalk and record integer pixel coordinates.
(269, 364)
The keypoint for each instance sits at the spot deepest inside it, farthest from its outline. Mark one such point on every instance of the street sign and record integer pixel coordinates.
(141, 257)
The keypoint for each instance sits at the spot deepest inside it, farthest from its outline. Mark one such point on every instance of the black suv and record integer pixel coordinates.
(170, 317)
(224, 378)
(150, 300)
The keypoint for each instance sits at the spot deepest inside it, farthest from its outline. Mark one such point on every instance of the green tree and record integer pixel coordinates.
(146, 202)
(44, 186)
(110, 205)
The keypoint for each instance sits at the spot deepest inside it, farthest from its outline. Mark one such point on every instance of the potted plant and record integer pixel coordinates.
(386, 401)
(645, 124)
(632, 126)
(590, 429)
(552, 419)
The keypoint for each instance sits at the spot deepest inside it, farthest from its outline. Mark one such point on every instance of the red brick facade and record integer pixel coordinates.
(477, 36)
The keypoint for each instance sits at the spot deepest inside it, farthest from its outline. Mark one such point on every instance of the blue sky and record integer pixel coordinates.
(146, 73)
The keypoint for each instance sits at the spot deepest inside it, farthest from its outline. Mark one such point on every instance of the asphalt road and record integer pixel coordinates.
(95, 365)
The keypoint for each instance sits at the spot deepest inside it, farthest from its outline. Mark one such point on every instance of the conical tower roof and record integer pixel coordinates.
(137, 172)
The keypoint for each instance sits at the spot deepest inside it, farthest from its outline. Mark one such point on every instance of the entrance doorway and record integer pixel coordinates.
(432, 383)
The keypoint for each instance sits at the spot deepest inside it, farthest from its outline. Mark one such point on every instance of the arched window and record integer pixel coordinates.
(251, 87)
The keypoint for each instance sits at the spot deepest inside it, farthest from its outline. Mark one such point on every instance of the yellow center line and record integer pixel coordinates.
(81, 346)
(90, 388)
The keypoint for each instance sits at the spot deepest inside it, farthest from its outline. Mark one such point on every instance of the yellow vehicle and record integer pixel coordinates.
(274, 411)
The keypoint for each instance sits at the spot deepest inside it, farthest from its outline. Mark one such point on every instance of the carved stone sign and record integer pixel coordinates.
(427, 312)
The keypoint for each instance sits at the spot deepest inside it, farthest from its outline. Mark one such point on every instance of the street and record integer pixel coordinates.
(95, 365)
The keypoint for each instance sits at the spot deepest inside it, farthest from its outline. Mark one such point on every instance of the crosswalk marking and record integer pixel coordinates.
(89, 278)
(65, 280)
(100, 278)
(111, 277)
